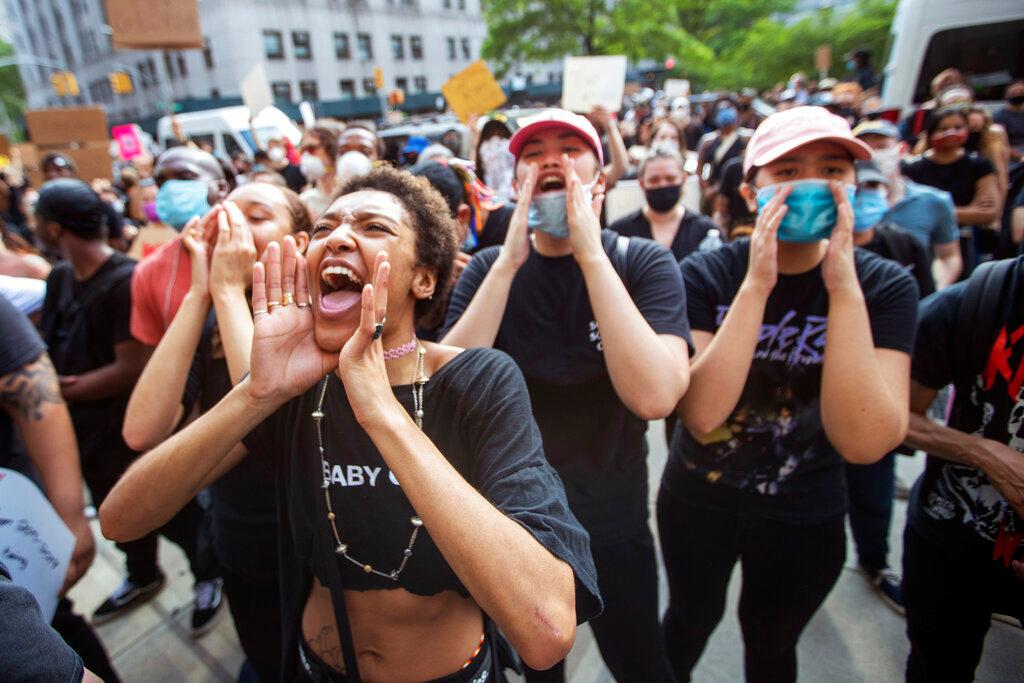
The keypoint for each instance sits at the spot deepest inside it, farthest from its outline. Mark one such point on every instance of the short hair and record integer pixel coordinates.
(328, 138)
(445, 181)
(436, 242)
(662, 151)
(57, 159)
(301, 220)
(937, 117)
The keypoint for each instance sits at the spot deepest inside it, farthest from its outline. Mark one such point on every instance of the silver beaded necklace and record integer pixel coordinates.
(340, 548)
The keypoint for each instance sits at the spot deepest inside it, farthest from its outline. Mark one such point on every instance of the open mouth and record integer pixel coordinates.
(551, 183)
(340, 289)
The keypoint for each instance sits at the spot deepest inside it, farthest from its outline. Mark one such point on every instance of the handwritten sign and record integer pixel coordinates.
(473, 90)
(589, 82)
(66, 125)
(171, 24)
(129, 140)
(255, 91)
(35, 545)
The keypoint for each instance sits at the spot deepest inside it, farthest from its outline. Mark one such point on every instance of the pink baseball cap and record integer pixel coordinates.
(784, 131)
(556, 118)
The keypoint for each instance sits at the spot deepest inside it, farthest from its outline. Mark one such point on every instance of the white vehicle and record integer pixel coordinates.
(227, 130)
(984, 39)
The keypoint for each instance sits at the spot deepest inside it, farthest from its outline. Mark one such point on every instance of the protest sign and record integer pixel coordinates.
(589, 82)
(92, 161)
(473, 90)
(306, 112)
(129, 140)
(47, 127)
(35, 545)
(677, 87)
(255, 90)
(169, 24)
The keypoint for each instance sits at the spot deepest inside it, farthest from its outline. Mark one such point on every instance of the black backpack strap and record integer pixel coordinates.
(620, 259)
(979, 316)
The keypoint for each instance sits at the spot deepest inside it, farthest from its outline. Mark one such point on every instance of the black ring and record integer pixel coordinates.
(378, 330)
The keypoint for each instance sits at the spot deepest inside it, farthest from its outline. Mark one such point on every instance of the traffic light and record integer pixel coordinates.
(65, 84)
(121, 83)
(378, 77)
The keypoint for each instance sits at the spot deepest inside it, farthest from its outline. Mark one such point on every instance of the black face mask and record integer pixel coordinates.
(973, 141)
(1016, 100)
(663, 198)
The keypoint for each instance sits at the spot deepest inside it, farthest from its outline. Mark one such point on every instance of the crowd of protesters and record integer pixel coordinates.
(246, 356)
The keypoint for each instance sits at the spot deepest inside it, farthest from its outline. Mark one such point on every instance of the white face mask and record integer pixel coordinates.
(275, 154)
(312, 167)
(352, 164)
(888, 160)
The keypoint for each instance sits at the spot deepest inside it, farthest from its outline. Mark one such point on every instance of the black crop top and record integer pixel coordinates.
(477, 413)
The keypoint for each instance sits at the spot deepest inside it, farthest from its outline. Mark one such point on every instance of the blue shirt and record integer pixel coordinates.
(926, 213)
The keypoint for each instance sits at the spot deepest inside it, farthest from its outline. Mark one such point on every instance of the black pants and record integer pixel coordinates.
(627, 632)
(788, 570)
(182, 529)
(256, 610)
(950, 597)
(870, 489)
(81, 638)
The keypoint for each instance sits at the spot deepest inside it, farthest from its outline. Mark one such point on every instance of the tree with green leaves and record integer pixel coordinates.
(12, 94)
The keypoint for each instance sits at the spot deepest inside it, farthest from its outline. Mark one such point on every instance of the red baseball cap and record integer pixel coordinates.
(784, 131)
(556, 118)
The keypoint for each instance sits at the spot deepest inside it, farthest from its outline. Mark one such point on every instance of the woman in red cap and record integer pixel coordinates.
(597, 324)
(802, 362)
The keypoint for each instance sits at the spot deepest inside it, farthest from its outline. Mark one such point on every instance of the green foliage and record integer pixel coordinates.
(12, 94)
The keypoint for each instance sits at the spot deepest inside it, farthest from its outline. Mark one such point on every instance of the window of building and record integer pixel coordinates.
(364, 44)
(416, 46)
(402, 84)
(140, 68)
(282, 90)
(182, 65)
(273, 45)
(342, 50)
(420, 83)
(348, 88)
(309, 91)
(397, 47)
(300, 41)
(466, 52)
(214, 93)
(451, 48)
(447, 4)
(369, 87)
(168, 65)
(151, 67)
(207, 53)
(462, 4)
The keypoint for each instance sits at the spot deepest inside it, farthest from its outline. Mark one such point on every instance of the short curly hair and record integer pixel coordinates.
(436, 241)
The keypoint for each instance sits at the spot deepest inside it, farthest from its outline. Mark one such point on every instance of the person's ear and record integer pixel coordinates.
(600, 183)
(424, 282)
(749, 194)
(301, 241)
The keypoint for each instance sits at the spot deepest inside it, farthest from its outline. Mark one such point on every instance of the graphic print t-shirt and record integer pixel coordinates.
(771, 456)
(955, 504)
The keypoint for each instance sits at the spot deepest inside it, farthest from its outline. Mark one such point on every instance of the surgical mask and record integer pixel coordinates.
(662, 199)
(149, 210)
(1016, 100)
(275, 154)
(312, 167)
(118, 205)
(868, 208)
(726, 117)
(549, 214)
(887, 160)
(178, 201)
(851, 65)
(352, 164)
(812, 209)
(948, 140)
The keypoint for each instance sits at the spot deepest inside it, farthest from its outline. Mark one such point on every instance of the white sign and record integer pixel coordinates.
(677, 87)
(35, 545)
(255, 91)
(306, 111)
(589, 82)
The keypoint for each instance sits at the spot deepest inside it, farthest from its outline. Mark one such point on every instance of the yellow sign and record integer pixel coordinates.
(65, 84)
(473, 90)
(121, 83)
(378, 78)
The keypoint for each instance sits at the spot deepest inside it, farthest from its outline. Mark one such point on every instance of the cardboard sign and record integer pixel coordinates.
(65, 126)
(823, 58)
(473, 90)
(29, 155)
(255, 90)
(129, 140)
(677, 87)
(169, 24)
(35, 545)
(5, 146)
(589, 82)
(92, 161)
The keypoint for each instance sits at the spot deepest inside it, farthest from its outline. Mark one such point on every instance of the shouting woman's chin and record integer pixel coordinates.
(331, 334)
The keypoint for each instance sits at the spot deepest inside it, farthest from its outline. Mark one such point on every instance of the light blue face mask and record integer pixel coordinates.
(812, 210)
(868, 208)
(548, 212)
(178, 201)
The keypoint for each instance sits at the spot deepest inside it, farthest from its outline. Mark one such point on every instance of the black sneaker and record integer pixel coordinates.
(888, 585)
(127, 596)
(209, 600)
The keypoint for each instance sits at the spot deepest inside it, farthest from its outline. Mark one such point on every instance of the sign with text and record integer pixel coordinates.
(677, 87)
(474, 90)
(129, 140)
(35, 545)
(255, 90)
(589, 82)
(168, 24)
(67, 125)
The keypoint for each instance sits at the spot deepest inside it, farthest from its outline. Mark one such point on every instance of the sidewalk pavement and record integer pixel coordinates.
(853, 638)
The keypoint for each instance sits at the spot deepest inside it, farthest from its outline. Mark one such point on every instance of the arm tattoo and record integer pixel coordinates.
(327, 646)
(25, 391)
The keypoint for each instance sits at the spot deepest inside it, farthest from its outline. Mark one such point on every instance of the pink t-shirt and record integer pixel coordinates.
(159, 283)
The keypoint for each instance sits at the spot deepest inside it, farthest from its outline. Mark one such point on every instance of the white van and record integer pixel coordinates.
(227, 129)
(984, 39)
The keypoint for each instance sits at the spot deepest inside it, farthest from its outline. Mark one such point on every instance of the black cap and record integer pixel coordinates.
(74, 205)
(446, 181)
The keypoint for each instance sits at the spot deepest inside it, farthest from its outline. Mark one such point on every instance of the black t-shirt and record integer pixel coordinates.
(20, 345)
(1013, 122)
(895, 244)
(549, 329)
(731, 174)
(293, 178)
(82, 323)
(771, 457)
(692, 229)
(708, 151)
(477, 413)
(495, 227)
(243, 504)
(959, 178)
(955, 505)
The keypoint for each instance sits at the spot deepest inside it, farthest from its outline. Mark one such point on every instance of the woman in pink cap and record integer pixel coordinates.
(803, 359)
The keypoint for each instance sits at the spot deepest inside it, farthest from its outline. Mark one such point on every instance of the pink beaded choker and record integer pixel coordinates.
(403, 350)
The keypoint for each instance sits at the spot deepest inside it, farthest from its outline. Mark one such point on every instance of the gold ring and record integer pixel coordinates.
(271, 304)
(302, 304)
(256, 313)
(287, 299)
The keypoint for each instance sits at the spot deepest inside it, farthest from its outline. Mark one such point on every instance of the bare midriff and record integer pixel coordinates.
(398, 636)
